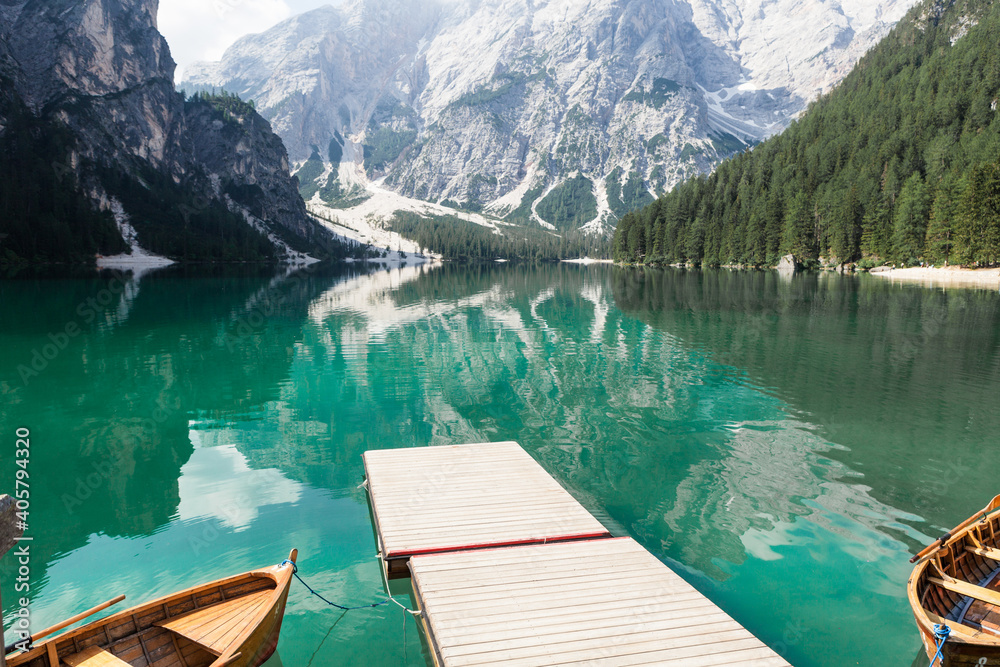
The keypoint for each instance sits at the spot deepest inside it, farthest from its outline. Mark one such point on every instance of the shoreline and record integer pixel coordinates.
(943, 276)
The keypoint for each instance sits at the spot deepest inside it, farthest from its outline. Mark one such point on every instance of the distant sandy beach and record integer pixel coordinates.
(944, 276)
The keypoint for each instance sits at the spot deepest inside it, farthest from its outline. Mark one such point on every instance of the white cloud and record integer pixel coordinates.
(203, 29)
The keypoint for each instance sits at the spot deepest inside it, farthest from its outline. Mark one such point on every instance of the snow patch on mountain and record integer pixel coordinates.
(138, 259)
(494, 104)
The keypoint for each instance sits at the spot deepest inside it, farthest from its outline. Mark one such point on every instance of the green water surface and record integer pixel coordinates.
(783, 443)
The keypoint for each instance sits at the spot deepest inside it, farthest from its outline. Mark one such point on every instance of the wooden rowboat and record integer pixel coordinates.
(956, 583)
(233, 622)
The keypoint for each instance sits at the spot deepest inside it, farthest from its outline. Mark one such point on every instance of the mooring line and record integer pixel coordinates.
(325, 637)
(295, 572)
(344, 610)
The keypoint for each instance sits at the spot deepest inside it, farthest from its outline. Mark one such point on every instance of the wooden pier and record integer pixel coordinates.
(507, 568)
(439, 499)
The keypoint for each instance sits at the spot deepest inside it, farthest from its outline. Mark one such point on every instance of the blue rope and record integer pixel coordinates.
(295, 571)
(941, 633)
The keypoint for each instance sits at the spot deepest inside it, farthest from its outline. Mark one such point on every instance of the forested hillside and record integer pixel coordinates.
(900, 163)
(44, 214)
(455, 238)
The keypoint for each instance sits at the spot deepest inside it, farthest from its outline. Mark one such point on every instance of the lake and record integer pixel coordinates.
(784, 443)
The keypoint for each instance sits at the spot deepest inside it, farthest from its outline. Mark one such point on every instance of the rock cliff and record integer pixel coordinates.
(196, 179)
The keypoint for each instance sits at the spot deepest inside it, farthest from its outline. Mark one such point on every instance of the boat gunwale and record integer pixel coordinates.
(920, 575)
(281, 579)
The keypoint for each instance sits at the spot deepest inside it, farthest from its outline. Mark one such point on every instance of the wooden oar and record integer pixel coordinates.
(70, 621)
(939, 542)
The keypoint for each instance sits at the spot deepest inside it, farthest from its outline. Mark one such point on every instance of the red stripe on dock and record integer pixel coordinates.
(500, 545)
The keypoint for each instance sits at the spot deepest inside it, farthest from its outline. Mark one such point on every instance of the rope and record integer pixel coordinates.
(325, 637)
(295, 571)
(941, 633)
(385, 580)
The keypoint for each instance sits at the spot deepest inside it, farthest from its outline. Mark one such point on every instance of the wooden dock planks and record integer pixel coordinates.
(438, 499)
(602, 602)
(507, 568)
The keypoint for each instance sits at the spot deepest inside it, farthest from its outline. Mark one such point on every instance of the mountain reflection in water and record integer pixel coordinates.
(784, 444)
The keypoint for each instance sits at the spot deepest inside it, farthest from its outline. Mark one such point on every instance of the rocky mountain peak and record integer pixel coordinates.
(90, 47)
(565, 113)
(187, 173)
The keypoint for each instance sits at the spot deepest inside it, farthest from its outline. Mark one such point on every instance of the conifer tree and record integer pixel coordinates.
(909, 223)
(939, 243)
(890, 146)
(797, 238)
(978, 217)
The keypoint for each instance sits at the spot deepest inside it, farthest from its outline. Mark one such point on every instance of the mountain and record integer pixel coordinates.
(567, 113)
(99, 153)
(898, 164)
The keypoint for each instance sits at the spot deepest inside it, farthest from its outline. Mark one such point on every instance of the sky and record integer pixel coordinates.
(202, 29)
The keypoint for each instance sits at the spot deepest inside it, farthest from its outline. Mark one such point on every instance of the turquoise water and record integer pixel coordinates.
(785, 444)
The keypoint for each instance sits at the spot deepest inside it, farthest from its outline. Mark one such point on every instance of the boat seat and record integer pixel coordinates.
(95, 656)
(217, 626)
(969, 590)
(992, 554)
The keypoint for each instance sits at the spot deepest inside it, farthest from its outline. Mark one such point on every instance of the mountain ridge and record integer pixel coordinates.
(617, 92)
